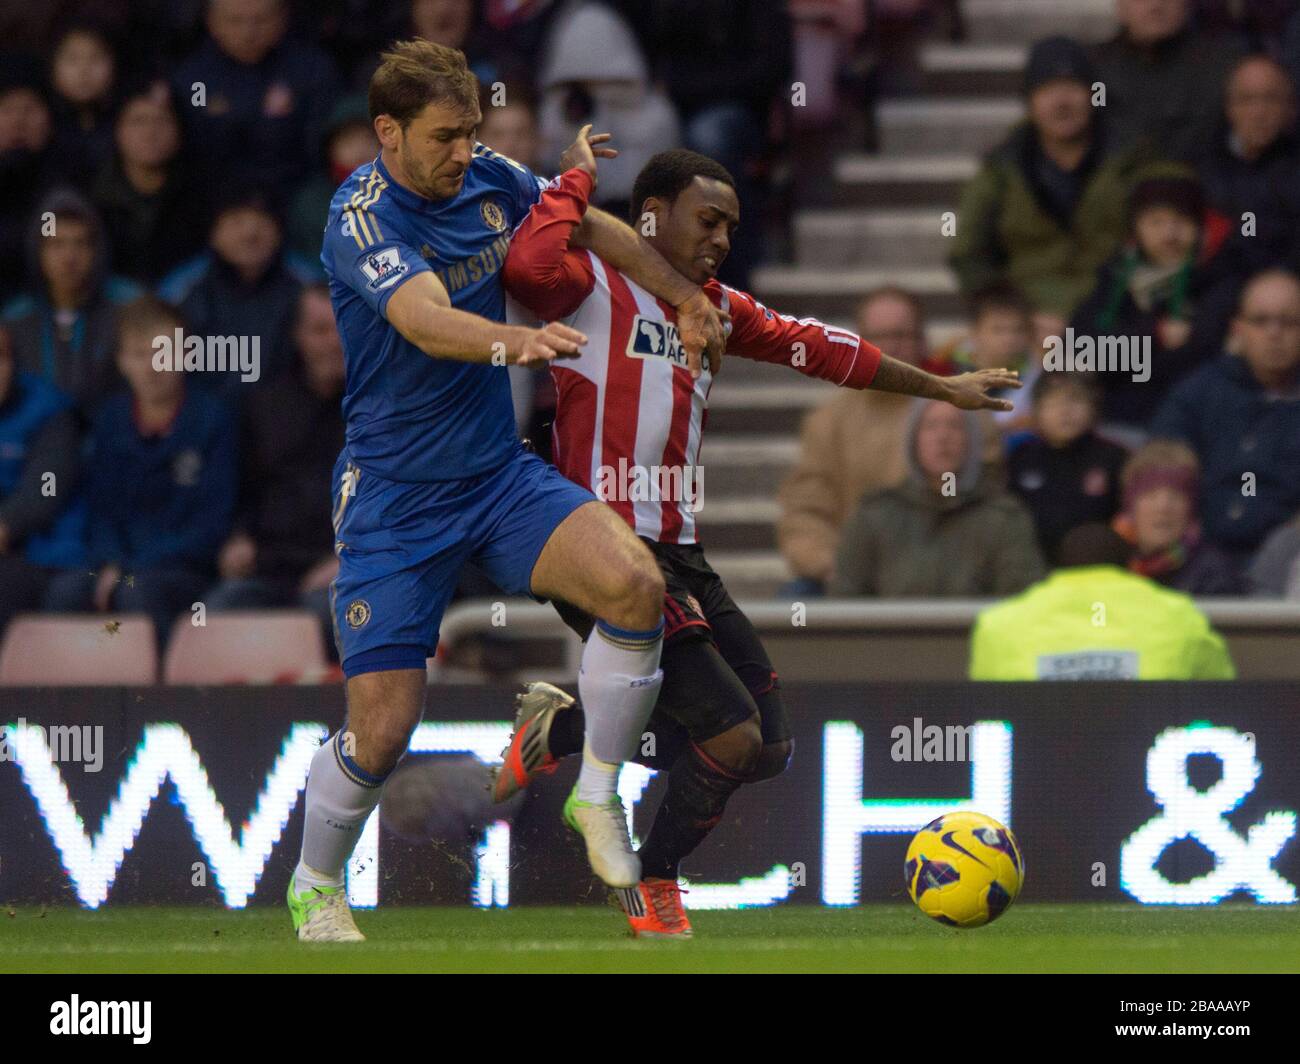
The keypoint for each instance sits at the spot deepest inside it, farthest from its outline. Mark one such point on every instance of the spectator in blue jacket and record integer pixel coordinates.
(161, 484)
(265, 96)
(62, 327)
(42, 519)
(244, 285)
(1241, 415)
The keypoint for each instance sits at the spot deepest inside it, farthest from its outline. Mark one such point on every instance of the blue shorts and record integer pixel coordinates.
(401, 547)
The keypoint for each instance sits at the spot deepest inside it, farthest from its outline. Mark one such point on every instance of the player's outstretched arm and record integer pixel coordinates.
(968, 391)
(422, 312)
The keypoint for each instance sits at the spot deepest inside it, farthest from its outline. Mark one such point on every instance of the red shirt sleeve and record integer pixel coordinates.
(542, 271)
(812, 347)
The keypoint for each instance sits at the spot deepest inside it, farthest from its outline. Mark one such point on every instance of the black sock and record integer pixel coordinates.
(567, 731)
(698, 789)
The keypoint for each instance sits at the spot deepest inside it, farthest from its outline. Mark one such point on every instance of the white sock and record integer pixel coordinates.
(340, 798)
(598, 780)
(619, 683)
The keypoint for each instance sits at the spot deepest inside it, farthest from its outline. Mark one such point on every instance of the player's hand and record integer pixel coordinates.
(584, 152)
(702, 328)
(969, 391)
(547, 344)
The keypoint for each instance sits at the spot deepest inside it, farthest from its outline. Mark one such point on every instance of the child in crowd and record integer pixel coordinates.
(1064, 471)
(1001, 336)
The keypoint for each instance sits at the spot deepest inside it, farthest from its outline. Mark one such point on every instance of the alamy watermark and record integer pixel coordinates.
(682, 485)
(1073, 353)
(82, 743)
(919, 741)
(209, 354)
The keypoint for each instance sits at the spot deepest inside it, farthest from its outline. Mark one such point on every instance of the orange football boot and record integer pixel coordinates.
(527, 756)
(654, 909)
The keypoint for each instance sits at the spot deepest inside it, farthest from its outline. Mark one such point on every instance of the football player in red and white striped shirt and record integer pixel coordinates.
(629, 419)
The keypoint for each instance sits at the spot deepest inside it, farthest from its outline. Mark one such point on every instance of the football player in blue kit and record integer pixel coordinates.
(433, 475)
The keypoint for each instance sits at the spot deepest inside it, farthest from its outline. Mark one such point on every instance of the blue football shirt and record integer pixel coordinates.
(411, 417)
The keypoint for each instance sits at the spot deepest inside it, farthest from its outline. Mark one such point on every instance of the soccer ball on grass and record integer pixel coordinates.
(964, 869)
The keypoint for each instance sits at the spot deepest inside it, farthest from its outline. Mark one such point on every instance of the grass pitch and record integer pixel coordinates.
(871, 938)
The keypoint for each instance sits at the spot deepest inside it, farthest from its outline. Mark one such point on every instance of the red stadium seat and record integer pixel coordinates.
(69, 649)
(255, 646)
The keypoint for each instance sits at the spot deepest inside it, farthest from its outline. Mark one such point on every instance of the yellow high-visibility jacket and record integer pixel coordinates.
(1097, 623)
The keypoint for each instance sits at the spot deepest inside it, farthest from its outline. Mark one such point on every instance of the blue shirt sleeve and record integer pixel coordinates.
(357, 255)
(529, 190)
(524, 187)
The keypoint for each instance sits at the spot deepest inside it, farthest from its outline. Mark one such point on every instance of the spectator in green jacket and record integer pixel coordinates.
(1047, 208)
(949, 530)
(1093, 619)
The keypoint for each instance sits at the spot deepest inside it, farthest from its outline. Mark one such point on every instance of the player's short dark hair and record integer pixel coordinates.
(667, 173)
(413, 74)
(1094, 544)
(999, 296)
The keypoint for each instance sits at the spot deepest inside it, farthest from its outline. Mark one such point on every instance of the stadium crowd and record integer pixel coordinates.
(1149, 203)
(166, 168)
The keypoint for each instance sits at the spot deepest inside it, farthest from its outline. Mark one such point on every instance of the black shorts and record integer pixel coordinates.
(716, 672)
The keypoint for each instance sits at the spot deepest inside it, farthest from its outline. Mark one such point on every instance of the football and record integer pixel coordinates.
(964, 869)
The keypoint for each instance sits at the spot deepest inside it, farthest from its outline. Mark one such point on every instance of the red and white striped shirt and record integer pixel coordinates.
(629, 419)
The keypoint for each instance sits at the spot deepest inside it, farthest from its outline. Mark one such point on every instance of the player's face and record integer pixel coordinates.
(694, 232)
(434, 151)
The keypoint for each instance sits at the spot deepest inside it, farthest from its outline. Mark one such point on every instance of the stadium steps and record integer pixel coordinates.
(742, 473)
(972, 69)
(897, 237)
(945, 125)
(877, 223)
(1006, 21)
(906, 181)
(748, 574)
(832, 294)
